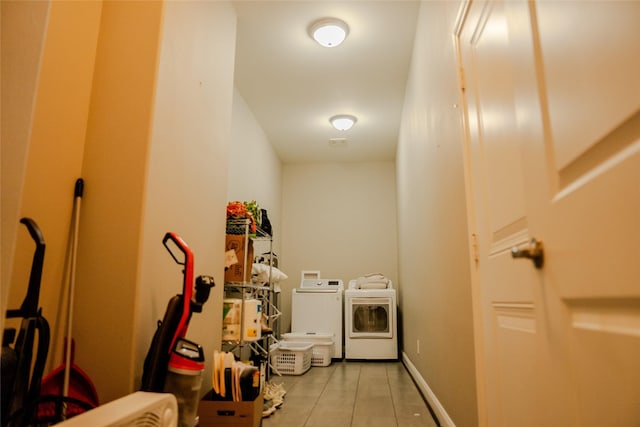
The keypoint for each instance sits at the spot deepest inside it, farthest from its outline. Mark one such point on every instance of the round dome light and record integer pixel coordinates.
(329, 32)
(343, 121)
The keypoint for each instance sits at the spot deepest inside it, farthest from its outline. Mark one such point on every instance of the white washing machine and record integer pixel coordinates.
(370, 323)
(316, 307)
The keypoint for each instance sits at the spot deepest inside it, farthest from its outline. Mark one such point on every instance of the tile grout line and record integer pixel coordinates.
(315, 403)
(355, 398)
(393, 402)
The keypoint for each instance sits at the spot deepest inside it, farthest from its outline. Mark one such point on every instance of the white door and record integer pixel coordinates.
(552, 99)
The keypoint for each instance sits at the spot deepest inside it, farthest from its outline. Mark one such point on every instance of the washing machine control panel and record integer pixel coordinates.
(321, 284)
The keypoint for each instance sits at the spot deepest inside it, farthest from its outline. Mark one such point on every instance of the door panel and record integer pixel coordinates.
(586, 49)
(556, 82)
(593, 94)
(593, 213)
(525, 387)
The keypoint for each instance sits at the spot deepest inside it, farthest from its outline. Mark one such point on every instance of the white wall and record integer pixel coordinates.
(435, 297)
(255, 170)
(339, 218)
(187, 174)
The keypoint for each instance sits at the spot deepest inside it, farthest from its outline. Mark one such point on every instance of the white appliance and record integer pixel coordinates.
(370, 322)
(316, 306)
(140, 408)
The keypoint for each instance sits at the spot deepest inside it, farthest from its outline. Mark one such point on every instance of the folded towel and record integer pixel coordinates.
(372, 281)
(373, 285)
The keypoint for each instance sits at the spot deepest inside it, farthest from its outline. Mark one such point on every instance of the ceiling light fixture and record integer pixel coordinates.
(329, 32)
(343, 121)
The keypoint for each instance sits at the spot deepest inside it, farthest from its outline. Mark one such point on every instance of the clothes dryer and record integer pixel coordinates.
(370, 322)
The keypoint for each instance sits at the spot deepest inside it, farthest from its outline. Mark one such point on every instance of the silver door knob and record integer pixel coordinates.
(533, 250)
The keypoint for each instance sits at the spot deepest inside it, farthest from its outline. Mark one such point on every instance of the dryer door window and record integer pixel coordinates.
(370, 318)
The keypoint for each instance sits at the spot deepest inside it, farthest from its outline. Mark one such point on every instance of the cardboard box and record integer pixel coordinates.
(236, 272)
(224, 413)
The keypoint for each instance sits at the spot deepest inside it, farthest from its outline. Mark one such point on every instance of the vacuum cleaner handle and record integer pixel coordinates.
(187, 261)
(29, 307)
(187, 284)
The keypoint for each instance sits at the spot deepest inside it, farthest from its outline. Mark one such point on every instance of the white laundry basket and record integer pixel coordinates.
(323, 345)
(292, 358)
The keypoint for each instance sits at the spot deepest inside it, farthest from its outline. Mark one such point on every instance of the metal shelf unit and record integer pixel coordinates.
(247, 290)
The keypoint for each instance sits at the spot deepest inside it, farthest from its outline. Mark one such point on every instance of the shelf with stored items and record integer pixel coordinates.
(250, 309)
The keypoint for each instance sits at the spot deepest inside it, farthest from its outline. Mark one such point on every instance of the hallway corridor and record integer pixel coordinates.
(351, 394)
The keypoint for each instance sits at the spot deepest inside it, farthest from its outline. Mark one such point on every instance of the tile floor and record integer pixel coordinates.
(351, 393)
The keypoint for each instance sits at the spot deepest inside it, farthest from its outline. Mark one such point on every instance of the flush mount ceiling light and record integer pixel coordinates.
(329, 32)
(343, 121)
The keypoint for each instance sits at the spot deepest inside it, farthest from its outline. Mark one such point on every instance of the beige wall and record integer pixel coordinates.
(316, 209)
(114, 168)
(187, 174)
(154, 104)
(21, 34)
(51, 137)
(255, 170)
(148, 128)
(435, 297)
(339, 218)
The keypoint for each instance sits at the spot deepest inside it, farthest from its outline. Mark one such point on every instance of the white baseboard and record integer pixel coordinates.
(436, 406)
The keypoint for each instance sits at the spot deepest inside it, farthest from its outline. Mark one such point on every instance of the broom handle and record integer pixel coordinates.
(79, 188)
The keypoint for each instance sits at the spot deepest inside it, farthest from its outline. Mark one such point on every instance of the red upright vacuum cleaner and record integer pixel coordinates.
(169, 347)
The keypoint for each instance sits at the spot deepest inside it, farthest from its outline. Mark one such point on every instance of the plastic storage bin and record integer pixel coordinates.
(292, 358)
(323, 345)
(321, 354)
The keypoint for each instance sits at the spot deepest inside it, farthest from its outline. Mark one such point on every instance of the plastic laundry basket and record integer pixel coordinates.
(323, 345)
(292, 358)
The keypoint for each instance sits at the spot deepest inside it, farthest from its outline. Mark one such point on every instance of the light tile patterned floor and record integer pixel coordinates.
(351, 394)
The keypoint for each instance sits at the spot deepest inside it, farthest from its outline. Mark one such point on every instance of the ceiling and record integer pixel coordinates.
(293, 85)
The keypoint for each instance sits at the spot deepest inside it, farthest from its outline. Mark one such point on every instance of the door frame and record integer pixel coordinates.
(476, 291)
